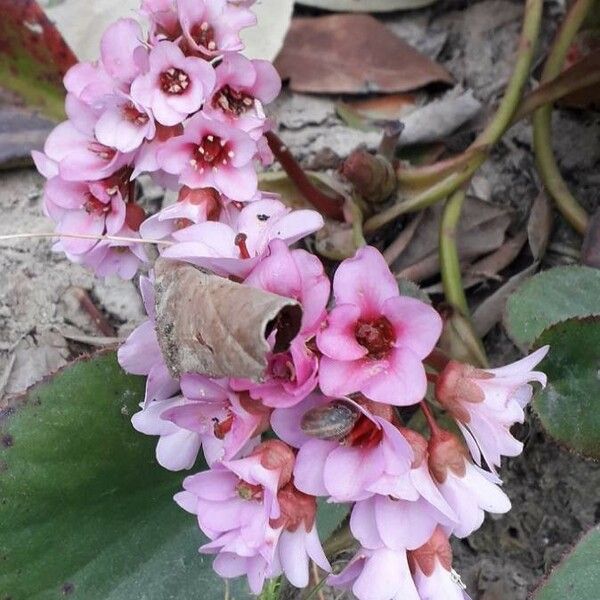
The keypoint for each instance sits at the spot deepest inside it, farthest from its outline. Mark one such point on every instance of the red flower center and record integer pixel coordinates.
(282, 367)
(133, 115)
(365, 434)
(232, 101)
(174, 81)
(212, 151)
(96, 207)
(377, 336)
(204, 35)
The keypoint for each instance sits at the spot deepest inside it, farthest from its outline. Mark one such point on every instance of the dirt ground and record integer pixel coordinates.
(555, 495)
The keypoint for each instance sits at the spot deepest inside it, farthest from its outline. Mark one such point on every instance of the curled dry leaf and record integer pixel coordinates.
(210, 325)
(366, 5)
(353, 54)
(481, 231)
(539, 226)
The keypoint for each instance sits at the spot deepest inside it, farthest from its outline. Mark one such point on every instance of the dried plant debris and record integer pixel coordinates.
(210, 325)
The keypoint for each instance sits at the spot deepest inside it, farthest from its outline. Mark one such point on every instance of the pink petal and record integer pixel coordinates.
(338, 339)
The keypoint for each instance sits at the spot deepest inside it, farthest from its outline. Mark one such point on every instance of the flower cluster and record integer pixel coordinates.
(185, 106)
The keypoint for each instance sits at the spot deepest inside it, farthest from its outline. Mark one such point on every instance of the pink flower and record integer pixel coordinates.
(89, 83)
(79, 207)
(193, 206)
(487, 402)
(212, 154)
(236, 249)
(111, 257)
(81, 157)
(349, 465)
(212, 27)
(174, 86)
(431, 567)
(124, 125)
(146, 159)
(206, 414)
(375, 339)
(242, 87)
(122, 50)
(164, 19)
(468, 489)
(141, 354)
(380, 574)
(297, 274)
(235, 503)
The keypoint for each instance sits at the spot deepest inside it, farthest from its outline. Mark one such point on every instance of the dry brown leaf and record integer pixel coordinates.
(209, 325)
(489, 312)
(481, 231)
(590, 249)
(352, 54)
(539, 226)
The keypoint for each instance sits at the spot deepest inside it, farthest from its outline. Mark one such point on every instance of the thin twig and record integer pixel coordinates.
(92, 310)
(548, 169)
(328, 206)
(92, 340)
(80, 236)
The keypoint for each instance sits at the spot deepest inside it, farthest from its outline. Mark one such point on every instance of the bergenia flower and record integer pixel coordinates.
(235, 503)
(122, 51)
(212, 27)
(175, 85)
(468, 489)
(236, 249)
(164, 19)
(381, 574)
(80, 207)
(375, 339)
(487, 402)
(431, 568)
(347, 467)
(297, 274)
(242, 87)
(141, 354)
(212, 154)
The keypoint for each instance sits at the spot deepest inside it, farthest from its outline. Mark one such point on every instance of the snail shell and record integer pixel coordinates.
(330, 422)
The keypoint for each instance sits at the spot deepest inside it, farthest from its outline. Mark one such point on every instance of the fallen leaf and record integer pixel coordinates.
(397, 247)
(33, 57)
(539, 225)
(440, 118)
(82, 23)
(366, 5)
(21, 131)
(335, 240)
(365, 114)
(213, 326)
(481, 231)
(490, 311)
(353, 54)
(590, 249)
(585, 43)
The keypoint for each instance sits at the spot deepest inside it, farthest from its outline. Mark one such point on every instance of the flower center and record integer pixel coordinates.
(247, 491)
(376, 336)
(212, 151)
(365, 434)
(133, 115)
(174, 81)
(232, 101)
(282, 367)
(204, 35)
(93, 206)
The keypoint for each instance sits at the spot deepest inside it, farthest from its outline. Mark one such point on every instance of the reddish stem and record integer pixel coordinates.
(92, 310)
(432, 377)
(431, 422)
(329, 206)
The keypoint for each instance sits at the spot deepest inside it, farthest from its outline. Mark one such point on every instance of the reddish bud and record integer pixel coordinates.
(418, 444)
(134, 216)
(437, 548)
(297, 508)
(446, 452)
(277, 456)
(373, 176)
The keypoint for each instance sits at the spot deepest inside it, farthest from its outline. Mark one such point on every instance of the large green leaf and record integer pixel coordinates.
(85, 510)
(569, 407)
(577, 577)
(550, 297)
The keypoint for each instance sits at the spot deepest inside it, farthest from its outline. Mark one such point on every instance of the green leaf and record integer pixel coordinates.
(85, 510)
(33, 57)
(549, 298)
(577, 577)
(569, 407)
(329, 517)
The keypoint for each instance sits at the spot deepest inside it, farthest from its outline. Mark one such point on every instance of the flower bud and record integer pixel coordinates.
(372, 175)
(446, 453)
(437, 548)
(275, 455)
(297, 508)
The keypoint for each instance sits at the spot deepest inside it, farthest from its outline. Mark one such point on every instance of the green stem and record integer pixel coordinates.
(449, 259)
(548, 169)
(357, 224)
(490, 135)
